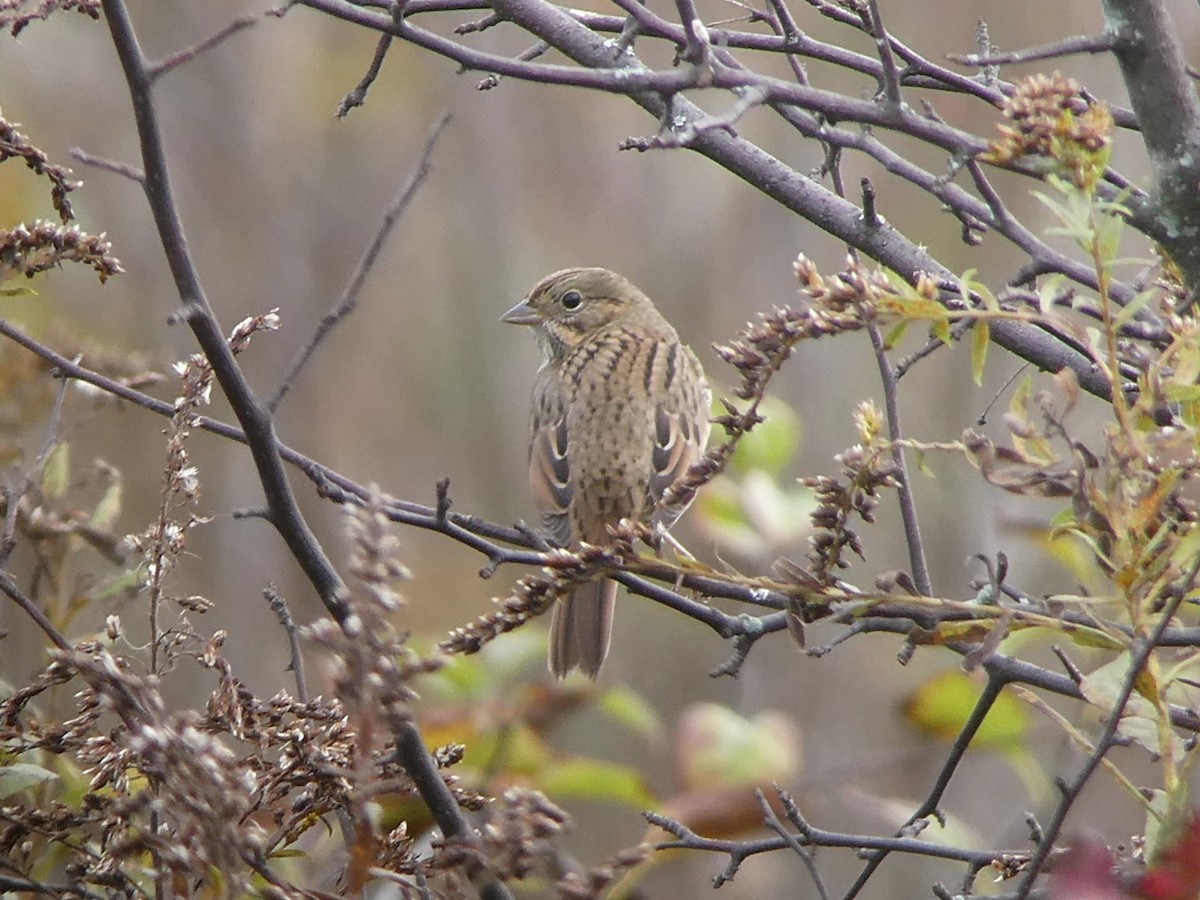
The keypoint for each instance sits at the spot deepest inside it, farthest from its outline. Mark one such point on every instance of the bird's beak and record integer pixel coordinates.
(522, 314)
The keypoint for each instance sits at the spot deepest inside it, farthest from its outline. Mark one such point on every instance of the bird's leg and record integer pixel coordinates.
(679, 549)
(661, 536)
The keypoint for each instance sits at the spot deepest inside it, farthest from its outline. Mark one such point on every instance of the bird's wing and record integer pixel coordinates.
(680, 434)
(549, 469)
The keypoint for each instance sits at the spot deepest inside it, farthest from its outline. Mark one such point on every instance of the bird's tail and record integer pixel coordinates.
(581, 628)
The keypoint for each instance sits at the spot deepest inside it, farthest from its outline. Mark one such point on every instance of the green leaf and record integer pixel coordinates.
(980, 337)
(1131, 309)
(593, 779)
(773, 443)
(940, 329)
(942, 705)
(105, 514)
(922, 463)
(21, 777)
(20, 291)
(1139, 718)
(56, 471)
(632, 710)
(1050, 287)
(720, 747)
(895, 334)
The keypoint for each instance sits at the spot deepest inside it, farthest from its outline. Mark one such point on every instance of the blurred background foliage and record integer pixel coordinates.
(278, 199)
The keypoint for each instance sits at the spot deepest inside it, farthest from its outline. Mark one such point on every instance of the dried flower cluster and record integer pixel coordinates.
(372, 668)
(593, 884)
(15, 144)
(16, 14)
(27, 250)
(867, 468)
(535, 594)
(228, 788)
(761, 349)
(1052, 119)
(161, 783)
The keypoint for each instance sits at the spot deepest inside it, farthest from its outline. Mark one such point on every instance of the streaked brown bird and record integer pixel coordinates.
(620, 412)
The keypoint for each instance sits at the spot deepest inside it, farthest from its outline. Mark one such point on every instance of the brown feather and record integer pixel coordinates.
(620, 412)
(581, 628)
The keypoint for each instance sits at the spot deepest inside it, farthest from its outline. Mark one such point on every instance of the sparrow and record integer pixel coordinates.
(620, 411)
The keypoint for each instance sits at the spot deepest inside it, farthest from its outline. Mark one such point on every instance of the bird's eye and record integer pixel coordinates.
(572, 300)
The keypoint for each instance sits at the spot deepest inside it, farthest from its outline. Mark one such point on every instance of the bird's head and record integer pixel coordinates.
(570, 305)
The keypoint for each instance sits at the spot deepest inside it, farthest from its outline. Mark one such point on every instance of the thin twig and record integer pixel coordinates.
(1095, 43)
(31, 609)
(929, 806)
(348, 301)
(1071, 792)
(156, 70)
(686, 839)
(771, 820)
(358, 95)
(883, 46)
(908, 506)
(133, 173)
(279, 607)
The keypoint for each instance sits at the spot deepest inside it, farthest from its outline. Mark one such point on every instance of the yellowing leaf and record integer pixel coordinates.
(1139, 717)
(940, 329)
(942, 705)
(980, 337)
(895, 334)
(593, 779)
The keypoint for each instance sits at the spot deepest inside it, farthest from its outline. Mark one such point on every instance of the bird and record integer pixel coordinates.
(620, 412)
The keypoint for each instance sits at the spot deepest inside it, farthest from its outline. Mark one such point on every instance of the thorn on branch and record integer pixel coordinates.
(1072, 670)
(1035, 828)
(680, 131)
(483, 24)
(869, 215)
(858, 626)
(443, 502)
(489, 568)
(296, 663)
(493, 79)
(536, 539)
(741, 649)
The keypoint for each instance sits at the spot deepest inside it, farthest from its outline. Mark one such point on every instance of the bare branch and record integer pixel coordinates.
(883, 46)
(929, 807)
(348, 301)
(1142, 650)
(156, 70)
(1152, 67)
(279, 607)
(1098, 43)
(908, 505)
(133, 173)
(358, 95)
